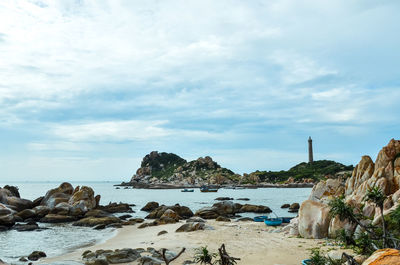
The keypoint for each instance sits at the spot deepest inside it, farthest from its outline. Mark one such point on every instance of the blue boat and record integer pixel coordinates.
(260, 218)
(187, 190)
(306, 262)
(286, 219)
(273, 221)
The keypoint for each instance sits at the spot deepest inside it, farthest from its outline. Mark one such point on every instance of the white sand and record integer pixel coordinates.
(252, 242)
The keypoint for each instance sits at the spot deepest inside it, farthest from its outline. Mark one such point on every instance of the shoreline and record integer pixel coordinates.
(139, 185)
(249, 241)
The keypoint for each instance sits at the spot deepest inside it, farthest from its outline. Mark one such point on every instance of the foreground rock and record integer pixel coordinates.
(383, 257)
(110, 256)
(57, 218)
(36, 255)
(314, 219)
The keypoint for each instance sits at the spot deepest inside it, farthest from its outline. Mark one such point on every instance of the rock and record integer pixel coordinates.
(243, 199)
(97, 213)
(170, 214)
(27, 213)
(207, 213)
(56, 218)
(97, 262)
(147, 260)
(336, 226)
(222, 219)
(314, 219)
(223, 199)
(110, 257)
(41, 211)
(63, 208)
(57, 195)
(13, 189)
(116, 208)
(26, 227)
(150, 206)
(294, 208)
(286, 205)
(137, 220)
(195, 219)
(189, 227)
(336, 254)
(125, 216)
(114, 225)
(162, 233)
(182, 211)
(23, 259)
(225, 208)
(83, 199)
(100, 227)
(255, 209)
(18, 204)
(93, 221)
(36, 255)
(383, 257)
(7, 218)
(326, 190)
(36, 202)
(245, 219)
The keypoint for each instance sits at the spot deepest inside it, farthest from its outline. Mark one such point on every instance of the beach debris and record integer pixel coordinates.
(225, 259)
(36, 255)
(169, 258)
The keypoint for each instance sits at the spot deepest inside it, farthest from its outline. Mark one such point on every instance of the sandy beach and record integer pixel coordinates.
(253, 243)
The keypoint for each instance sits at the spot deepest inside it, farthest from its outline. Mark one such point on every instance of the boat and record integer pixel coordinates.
(306, 262)
(208, 189)
(286, 219)
(260, 218)
(273, 221)
(187, 190)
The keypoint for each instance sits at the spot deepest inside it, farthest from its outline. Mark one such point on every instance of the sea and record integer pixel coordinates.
(59, 239)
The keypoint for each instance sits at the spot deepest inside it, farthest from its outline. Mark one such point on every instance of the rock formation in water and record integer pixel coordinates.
(314, 220)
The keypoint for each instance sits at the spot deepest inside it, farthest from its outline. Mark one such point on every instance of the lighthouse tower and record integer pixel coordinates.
(310, 151)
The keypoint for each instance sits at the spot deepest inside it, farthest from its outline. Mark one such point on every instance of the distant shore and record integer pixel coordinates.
(140, 185)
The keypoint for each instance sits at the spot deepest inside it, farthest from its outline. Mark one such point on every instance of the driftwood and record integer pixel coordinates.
(168, 261)
(225, 258)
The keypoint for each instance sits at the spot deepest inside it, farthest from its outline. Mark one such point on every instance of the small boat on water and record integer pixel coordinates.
(187, 190)
(286, 219)
(273, 221)
(260, 218)
(208, 189)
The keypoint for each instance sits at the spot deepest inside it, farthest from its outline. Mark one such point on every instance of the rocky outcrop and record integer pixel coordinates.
(183, 211)
(93, 221)
(150, 206)
(158, 168)
(7, 218)
(111, 256)
(190, 227)
(383, 257)
(384, 173)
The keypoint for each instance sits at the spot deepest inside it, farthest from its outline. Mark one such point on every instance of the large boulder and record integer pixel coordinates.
(254, 209)
(55, 196)
(314, 219)
(182, 211)
(326, 190)
(13, 189)
(336, 225)
(6, 216)
(41, 211)
(150, 206)
(207, 213)
(27, 213)
(383, 257)
(83, 198)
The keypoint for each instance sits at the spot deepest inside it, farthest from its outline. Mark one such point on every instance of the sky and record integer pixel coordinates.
(89, 87)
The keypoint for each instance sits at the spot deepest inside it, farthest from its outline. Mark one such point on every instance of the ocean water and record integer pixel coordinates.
(59, 239)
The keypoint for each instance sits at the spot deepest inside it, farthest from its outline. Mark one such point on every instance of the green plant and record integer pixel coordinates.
(318, 258)
(376, 195)
(204, 256)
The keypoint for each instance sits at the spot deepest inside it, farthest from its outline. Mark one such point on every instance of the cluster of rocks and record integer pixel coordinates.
(292, 208)
(59, 205)
(149, 256)
(160, 168)
(229, 209)
(314, 220)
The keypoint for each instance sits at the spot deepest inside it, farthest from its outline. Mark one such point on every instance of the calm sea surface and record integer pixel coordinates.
(59, 239)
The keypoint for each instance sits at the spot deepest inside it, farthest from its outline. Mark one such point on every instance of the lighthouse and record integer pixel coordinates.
(310, 151)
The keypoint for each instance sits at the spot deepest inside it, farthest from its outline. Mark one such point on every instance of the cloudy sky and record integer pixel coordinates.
(88, 87)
